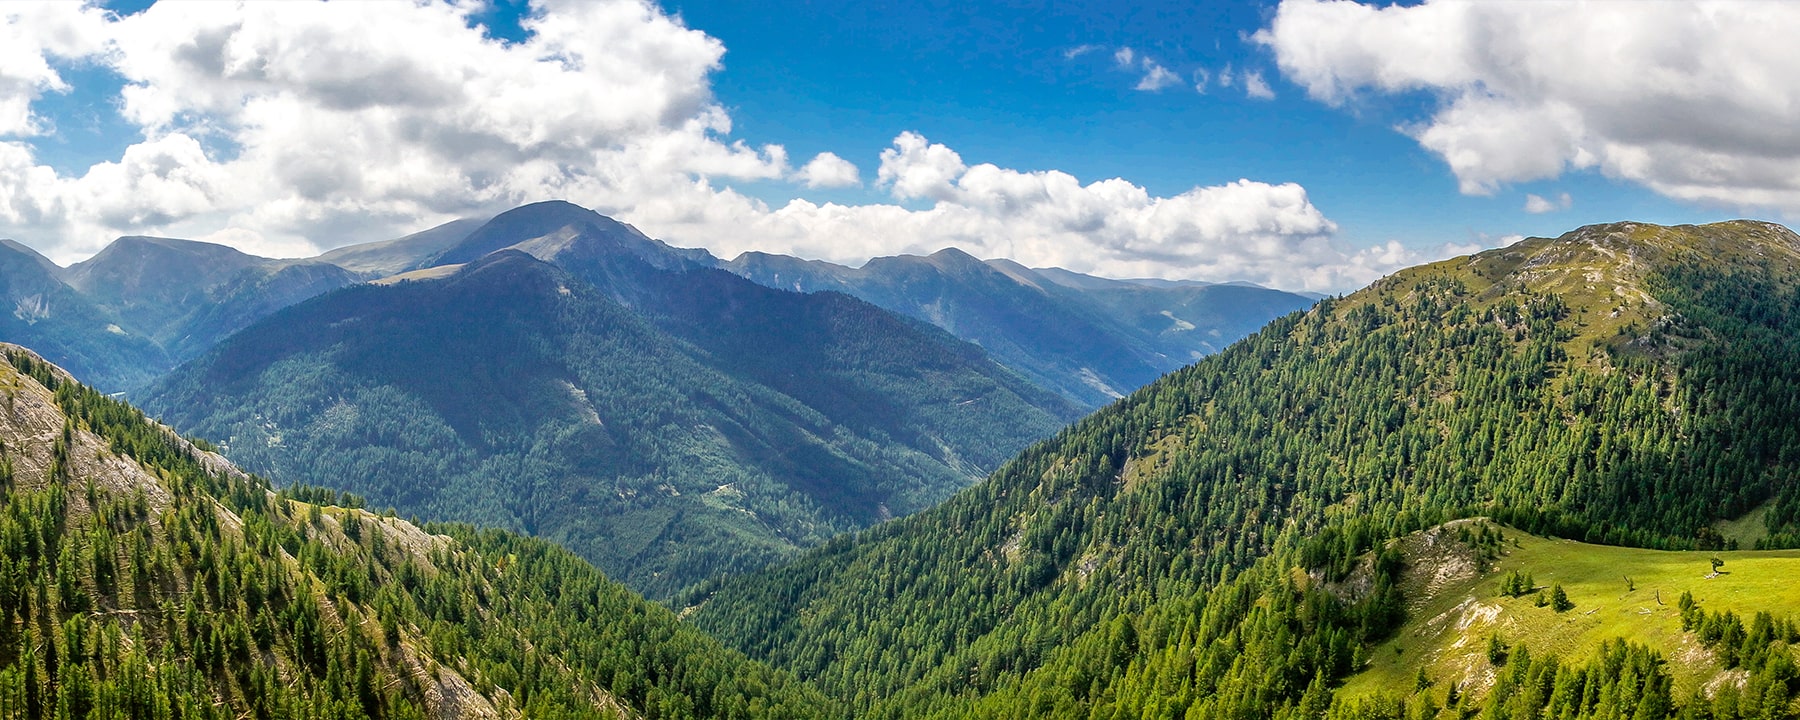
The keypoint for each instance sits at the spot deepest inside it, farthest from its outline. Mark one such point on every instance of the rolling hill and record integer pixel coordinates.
(145, 577)
(1216, 544)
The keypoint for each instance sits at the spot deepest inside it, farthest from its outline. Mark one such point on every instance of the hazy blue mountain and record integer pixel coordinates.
(151, 283)
(37, 308)
(1091, 339)
(391, 257)
(187, 295)
(548, 223)
(713, 425)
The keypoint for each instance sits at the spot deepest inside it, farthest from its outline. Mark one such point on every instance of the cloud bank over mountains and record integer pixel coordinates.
(1696, 101)
(288, 128)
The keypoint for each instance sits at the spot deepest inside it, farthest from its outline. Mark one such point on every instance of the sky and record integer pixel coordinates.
(1301, 144)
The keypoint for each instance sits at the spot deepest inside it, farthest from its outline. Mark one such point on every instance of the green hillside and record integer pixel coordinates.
(144, 577)
(1457, 602)
(1623, 384)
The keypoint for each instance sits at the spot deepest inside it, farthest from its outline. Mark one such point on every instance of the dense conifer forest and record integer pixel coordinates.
(145, 578)
(1211, 546)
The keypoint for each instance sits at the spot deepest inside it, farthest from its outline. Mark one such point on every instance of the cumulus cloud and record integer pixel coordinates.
(316, 124)
(32, 35)
(827, 170)
(1257, 231)
(1537, 205)
(289, 128)
(1696, 101)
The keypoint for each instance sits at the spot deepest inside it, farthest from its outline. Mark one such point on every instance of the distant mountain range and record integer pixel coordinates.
(579, 381)
(1091, 339)
(144, 305)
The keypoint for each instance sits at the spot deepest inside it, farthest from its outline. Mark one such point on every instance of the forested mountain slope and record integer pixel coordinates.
(725, 427)
(1203, 548)
(144, 577)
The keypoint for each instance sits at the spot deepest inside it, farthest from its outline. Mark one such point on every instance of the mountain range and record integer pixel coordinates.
(667, 421)
(144, 305)
(692, 423)
(1553, 479)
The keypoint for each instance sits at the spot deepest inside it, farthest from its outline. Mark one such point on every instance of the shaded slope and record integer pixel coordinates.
(391, 257)
(38, 309)
(513, 393)
(151, 283)
(867, 369)
(183, 296)
(1620, 384)
(143, 577)
(1091, 339)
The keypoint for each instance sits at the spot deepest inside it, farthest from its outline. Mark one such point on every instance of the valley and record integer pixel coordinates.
(1474, 478)
(712, 360)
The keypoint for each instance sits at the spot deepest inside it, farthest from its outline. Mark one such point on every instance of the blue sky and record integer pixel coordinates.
(993, 80)
(1376, 136)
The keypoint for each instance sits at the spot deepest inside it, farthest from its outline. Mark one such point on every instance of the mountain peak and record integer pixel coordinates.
(24, 253)
(135, 261)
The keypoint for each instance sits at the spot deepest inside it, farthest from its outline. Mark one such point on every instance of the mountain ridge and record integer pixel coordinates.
(1144, 560)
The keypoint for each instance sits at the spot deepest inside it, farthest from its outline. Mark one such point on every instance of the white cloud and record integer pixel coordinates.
(827, 170)
(1242, 230)
(1256, 87)
(1156, 77)
(1201, 78)
(1078, 51)
(341, 122)
(32, 34)
(1696, 101)
(288, 128)
(1537, 205)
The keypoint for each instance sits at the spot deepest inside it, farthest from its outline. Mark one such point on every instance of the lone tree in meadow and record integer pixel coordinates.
(1559, 600)
(1716, 564)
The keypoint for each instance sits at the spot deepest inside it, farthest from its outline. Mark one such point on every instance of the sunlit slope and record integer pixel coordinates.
(1624, 384)
(1455, 604)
